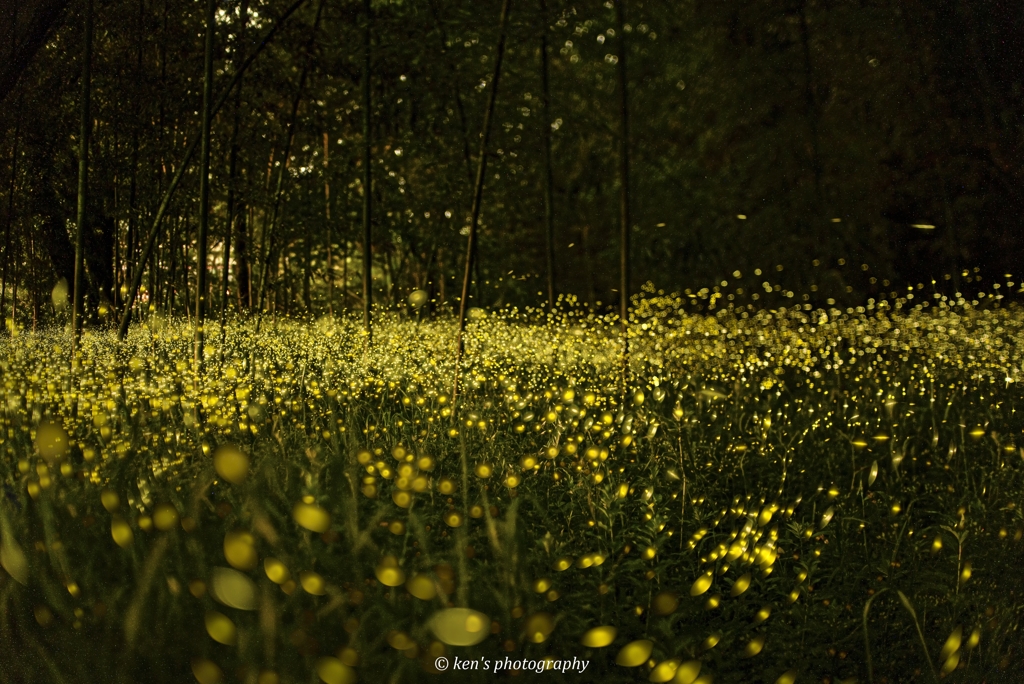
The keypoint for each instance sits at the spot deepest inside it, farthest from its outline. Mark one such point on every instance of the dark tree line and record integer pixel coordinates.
(350, 157)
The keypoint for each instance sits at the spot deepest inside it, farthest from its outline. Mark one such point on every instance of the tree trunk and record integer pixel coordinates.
(204, 182)
(171, 287)
(14, 288)
(270, 226)
(121, 283)
(185, 289)
(153, 294)
(47, 14)
(344, 264)
(367, 175)
(307, 272)
(549, 211)
(83, 178)
(271, 255)
(243, 274)
(33, 269)
(389, 275)
(440, 282)
(10, 214)
(329, 270)
(229, 226)
(478, 192)
(97, 253)
(624, 218)
(176, 179)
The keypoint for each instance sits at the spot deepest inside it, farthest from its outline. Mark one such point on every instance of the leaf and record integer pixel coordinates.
(634, 653)
(13, 560)
(826, 517)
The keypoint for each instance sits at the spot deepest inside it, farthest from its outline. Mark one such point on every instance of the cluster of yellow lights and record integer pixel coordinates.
(543, 415)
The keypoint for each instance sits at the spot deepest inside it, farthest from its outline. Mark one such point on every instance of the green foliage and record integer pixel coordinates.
(858, 474)
(833, 128)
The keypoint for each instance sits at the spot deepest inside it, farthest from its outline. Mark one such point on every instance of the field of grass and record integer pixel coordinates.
(774, 496)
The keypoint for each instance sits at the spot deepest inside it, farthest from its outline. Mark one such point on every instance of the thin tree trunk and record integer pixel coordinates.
(10, 191)
(33, 269)
(185, 289)
(229, 229)
(389, 276)
(327, 232)
(152, 282)
(261, 248)
(269, 236)
(204, 183)
(271, 255)
(163, 83)
(440, 281)
(10, 211)
(116, 239)
(279, 303)
(133, 219)
(478, 192)
(624, 218)
(14, 289)
(232, 174)
(172, 269)
(83, 179)
(264, 225)
(307, 272)
(165, 201)
(549, 210)
(157, 294)
(344, 265)
(243, 278)
(367, 175)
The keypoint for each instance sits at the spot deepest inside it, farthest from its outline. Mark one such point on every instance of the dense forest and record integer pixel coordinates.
(844, 148)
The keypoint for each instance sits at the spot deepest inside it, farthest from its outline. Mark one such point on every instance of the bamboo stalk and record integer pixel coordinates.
(176, 179)
(624, 217)
(270, 258)
(549, 210)
(204, 184)
(329, 271)
(83, 180)
(229, 228)
(367, 176)
(478, 192)
(10, 213)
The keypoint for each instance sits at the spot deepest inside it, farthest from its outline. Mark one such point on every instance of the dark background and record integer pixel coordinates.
(833, 126)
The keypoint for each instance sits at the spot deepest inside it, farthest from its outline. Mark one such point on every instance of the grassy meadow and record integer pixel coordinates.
(786, 495)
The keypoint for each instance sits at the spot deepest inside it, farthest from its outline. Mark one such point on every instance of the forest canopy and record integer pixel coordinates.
(860, 146)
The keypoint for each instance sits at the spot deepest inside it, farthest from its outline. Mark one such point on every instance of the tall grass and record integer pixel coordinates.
(821, 493)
